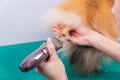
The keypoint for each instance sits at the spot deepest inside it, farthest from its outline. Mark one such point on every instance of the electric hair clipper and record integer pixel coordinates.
(38, 56)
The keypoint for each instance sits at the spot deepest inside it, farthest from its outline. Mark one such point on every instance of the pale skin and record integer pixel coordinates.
(54, 69)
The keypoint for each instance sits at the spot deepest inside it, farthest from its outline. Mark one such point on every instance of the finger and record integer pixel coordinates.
(58, 26)
(40, 66)
(51, 47)
(56, 30)
(55, 27)
(56, 33)
(73, 39)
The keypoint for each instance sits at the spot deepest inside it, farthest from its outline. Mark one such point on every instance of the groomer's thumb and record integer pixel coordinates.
(51, 47)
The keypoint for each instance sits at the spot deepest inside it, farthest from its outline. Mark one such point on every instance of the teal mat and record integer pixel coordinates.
(11, 56)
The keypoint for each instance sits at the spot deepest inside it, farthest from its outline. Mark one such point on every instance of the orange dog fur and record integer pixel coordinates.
(95, 14)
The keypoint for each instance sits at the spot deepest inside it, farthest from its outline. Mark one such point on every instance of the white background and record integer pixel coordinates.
(20, 20)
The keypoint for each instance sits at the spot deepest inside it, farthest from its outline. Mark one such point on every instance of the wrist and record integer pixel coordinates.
(94, 38)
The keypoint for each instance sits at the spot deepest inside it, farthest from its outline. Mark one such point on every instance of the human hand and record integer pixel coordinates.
(80, 35)
(53, 68)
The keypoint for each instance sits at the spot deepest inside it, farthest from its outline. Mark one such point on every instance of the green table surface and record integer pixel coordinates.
(12, 55)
